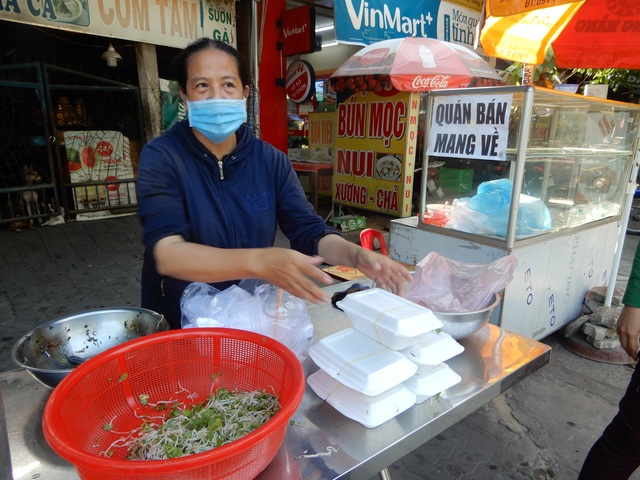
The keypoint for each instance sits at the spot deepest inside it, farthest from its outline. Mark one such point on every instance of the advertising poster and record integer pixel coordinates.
(375, 149)
(96, 155)
(363, 22)
(322, 129)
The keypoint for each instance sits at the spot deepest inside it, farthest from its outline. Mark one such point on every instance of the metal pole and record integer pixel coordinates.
(255, 63)
(624, 220)
(5, 455)
(384, 474)
(521, 156)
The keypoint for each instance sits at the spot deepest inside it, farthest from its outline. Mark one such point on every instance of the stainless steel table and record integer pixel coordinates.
(321, 444)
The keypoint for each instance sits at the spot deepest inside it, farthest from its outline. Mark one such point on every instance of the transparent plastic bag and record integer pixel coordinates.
(284, 318)
(445, 285)
(205, 306)
(249, 306)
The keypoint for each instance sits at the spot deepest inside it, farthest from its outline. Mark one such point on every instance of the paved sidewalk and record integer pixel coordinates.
(541, 428)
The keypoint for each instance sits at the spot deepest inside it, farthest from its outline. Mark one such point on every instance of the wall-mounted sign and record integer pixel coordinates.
(363, 23)
(300, 82)
(171, 24)
(375, 149)
(299, 30)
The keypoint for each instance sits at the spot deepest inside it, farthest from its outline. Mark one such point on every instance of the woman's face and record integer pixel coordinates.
(212, 73)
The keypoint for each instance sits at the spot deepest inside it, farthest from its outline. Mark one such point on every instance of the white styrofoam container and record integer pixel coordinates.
(388, 318)
(368, 411)
(431, 380)
(361, 363)
(433, 348)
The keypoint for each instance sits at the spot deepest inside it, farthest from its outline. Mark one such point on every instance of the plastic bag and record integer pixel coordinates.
(487, 212)
(284, 318)
(249, 306)
(444, 285)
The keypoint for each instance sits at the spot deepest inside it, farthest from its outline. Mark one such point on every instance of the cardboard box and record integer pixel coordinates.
(349, 223)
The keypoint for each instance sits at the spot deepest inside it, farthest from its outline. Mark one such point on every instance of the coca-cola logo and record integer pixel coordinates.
(374, 56)
(434, 82)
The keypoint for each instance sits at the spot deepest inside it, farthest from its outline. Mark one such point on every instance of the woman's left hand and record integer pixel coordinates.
(387, 273)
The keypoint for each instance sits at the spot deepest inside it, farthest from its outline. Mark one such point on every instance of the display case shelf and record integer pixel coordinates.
(568, 159)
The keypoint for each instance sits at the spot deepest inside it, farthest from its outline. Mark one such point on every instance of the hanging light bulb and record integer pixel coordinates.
(111, 56)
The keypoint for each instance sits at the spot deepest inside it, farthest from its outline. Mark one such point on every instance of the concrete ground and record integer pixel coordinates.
(542, 428)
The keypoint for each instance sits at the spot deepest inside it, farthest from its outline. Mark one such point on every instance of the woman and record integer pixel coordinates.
(211, 196)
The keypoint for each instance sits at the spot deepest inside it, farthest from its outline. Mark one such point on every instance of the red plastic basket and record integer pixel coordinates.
(106, 390)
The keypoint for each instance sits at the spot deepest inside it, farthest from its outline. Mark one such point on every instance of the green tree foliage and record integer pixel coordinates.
(618, 79)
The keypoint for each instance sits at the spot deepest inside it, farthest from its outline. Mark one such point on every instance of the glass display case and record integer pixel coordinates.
(567, 158)
(542, 175)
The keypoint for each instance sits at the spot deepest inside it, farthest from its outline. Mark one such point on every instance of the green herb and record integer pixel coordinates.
(123, 377)
(188, 429)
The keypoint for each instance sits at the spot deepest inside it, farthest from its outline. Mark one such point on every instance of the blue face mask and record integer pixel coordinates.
(217, 118)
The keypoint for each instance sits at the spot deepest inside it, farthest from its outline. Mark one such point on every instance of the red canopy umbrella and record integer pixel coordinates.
(583, 34)
(413, 64)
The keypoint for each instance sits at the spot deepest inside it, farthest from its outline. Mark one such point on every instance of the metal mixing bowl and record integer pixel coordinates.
(460, 325)
(52, 350)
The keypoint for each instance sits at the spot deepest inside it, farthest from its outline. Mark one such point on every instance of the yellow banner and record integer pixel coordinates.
(501, 8)
(375, 150)
(322, 127)
(524, 37)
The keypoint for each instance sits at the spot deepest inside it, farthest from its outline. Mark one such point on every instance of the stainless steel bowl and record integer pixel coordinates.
(52, 350)
(460, 325)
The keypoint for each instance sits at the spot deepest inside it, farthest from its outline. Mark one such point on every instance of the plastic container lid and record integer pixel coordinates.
(388, 318)
(433, 348)
(361, 363)
(431, 380)
(368, 411)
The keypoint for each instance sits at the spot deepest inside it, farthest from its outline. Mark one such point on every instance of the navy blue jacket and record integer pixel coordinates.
(237, 203)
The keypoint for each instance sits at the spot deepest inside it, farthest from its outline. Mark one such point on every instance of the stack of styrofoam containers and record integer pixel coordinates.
(391, 359)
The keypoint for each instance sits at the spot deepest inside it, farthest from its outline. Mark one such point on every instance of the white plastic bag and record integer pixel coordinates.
(205, 306)
(444, 285)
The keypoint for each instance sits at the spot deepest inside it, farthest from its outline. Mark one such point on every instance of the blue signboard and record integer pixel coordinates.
(363, 22)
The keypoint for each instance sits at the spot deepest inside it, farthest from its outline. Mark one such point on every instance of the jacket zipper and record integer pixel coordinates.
(220, 168)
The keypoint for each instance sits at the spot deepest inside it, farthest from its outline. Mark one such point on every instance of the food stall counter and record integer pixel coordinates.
(320, 442)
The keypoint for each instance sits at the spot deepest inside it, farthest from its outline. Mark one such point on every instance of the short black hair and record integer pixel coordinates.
(179, 64)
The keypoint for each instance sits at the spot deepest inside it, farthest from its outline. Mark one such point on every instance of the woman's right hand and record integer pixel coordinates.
(629, 330)
(285, 268)
(294, 272)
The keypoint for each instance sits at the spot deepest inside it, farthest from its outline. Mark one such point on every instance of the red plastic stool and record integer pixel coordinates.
(368, 237)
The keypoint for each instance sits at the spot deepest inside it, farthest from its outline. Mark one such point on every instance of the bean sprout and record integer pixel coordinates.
(188, 429)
